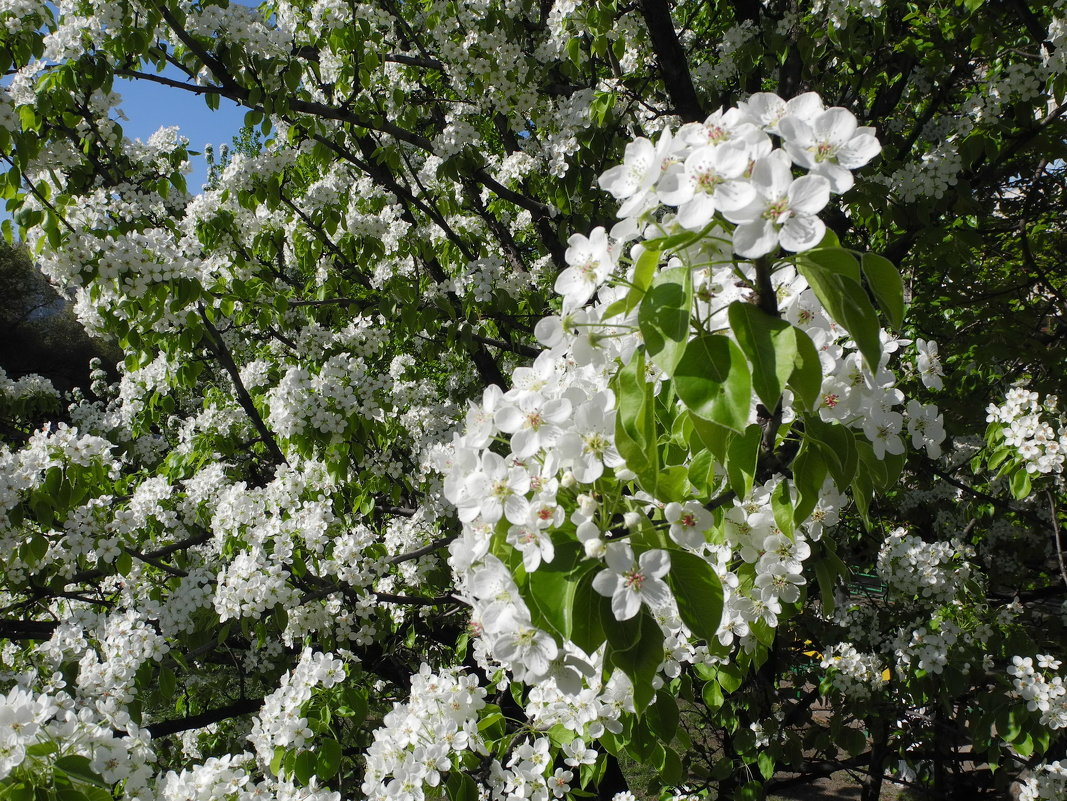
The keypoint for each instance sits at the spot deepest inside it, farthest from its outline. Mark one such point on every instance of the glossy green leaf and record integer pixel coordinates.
(587, 631)
(713, 381)
(551, 589)
(698, 590)
(461, 787)
(663, 317)
(635, 647)
(806, 378)
(782, 508)
(770, 344)
(886, 284)
(712, 695)
(847, 303)
(743, 456)
(328, 761)
(838, 447)
(77, 767)
(303, 767)
(635, 436)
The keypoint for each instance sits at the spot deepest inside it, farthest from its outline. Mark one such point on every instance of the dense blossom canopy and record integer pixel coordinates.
(533, 391)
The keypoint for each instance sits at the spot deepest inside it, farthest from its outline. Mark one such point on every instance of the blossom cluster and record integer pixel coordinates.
(1047, 782)
(1026, 429)
(418, 740)
(1041, 688)
(233, 777)
(279, 723)
(558, 417)
(853, 673)
(30, 725)
(933, 570)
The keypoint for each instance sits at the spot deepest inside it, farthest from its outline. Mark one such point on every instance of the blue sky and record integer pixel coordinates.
(151, 106)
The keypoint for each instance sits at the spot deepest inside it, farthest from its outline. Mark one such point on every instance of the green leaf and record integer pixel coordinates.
(662, 716)
(806, 378)
(635, 421)
(276, 761)
(782, 508)
(587, 632)
(743, 453)
(713, 381)
(730, 677)
(847, 303)
(552, 587)
(329, 759)
(752, 791)
(887, 286)
(771, 347)
(698, 591)
(77, 767)
(461, 787)
(712, 695)
(635, 646)
(809, 473)
(167, 683)
(854, 741)
(765, 763)
(663, 317)
(304, 766)
(1020, 484)
(644, 269)
(124, 564)
(838, 447)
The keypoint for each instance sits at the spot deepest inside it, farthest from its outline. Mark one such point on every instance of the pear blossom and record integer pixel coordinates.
(783, 211)
(689, 522)
(831, 145)
(630, 585)
(641, 168)
(928, 363)
(589, 264)
(707, 182)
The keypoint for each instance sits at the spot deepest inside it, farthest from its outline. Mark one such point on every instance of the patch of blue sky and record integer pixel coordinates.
(149, 106)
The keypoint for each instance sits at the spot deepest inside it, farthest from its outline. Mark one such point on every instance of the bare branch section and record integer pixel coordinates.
(222, 353)
(671, 58)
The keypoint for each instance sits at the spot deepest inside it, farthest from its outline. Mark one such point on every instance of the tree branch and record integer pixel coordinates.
(671, 58)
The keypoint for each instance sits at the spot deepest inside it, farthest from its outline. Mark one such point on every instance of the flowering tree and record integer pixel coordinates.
(534, 397)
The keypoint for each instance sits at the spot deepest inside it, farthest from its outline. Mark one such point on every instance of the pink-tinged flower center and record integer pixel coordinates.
(716, 134)
(501, 489)
(633, 580)
(831, 400)
(475, 628)
(823, 151)
(707, 181)
(688, 520)
(777, 209)
(544, 513)
(534, 420)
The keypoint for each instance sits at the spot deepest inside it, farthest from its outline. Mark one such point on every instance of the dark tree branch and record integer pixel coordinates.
(27, 629)
(671, 58)
(222, 353)
(177, 725)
